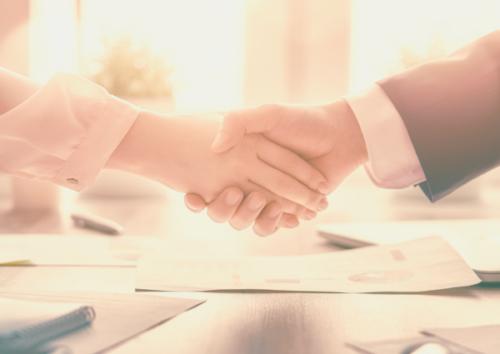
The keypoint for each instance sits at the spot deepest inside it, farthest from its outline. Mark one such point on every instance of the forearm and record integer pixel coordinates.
(451, 109)
(167, 148)
(151, 149)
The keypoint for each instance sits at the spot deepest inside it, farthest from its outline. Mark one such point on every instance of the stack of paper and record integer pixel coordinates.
(414, 266)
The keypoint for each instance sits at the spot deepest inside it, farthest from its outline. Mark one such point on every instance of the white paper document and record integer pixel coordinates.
(56, 250)
(413, 266)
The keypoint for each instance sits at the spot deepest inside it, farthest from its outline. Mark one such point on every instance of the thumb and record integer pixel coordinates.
(238, 123)
(230, 133)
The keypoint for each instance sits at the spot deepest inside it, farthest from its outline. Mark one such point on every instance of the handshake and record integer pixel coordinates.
(269, 166)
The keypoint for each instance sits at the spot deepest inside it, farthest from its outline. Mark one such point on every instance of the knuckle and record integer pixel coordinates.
(259, 194)
(295, 209)
(307, 214)
(314, 198)
(258, 197)
(311, 177)
(290, 207)
(234, 190)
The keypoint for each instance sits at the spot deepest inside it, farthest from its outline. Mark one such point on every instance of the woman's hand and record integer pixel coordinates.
(328, 137)
(176, 151)
(232, 206)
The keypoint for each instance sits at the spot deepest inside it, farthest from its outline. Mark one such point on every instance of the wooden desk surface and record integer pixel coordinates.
(260, 322)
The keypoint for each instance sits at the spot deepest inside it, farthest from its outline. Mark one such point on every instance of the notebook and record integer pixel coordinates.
(119, 317)
(25, 325)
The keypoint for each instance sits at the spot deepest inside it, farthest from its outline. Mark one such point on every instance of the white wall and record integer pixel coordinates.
(296, 50)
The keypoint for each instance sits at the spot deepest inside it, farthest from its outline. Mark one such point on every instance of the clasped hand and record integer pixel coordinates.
(326, 138)
(266, 178)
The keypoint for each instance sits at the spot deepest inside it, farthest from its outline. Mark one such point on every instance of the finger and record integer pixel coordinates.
(238, 123)
(289, 221)
(268, 221)
(249, 210)
(225, 205)
(291, 164)
(308, 215)
(287, 187)
(288, 206)
(194, 202)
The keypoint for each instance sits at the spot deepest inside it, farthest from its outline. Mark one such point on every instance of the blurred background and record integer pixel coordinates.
(200, 55)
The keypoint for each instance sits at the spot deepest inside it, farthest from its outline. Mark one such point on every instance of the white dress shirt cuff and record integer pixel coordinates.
(104, 121)
(64, 133)
(392, 160)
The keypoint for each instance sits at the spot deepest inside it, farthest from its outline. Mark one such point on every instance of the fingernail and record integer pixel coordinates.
(292, 222)
(193, 208)
(323, 204)
(256, 203)
(221, 139)
(274, 211)
(323, 188)
(232, 197)
(309, 214)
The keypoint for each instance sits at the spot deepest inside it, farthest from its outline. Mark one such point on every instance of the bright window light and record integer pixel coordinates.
(389, 35)
(52, 38)
(202, 40)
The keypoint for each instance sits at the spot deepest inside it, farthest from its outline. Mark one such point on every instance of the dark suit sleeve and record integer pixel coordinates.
(451, 108)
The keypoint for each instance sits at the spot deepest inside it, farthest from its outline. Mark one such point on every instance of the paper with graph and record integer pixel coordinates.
(413, 266)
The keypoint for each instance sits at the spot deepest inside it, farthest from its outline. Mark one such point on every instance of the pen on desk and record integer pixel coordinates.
(96, 223)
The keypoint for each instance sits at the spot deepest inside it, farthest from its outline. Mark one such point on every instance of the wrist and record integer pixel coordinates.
(125, 155)
(347, 150)
(146, 149)
(347, 134)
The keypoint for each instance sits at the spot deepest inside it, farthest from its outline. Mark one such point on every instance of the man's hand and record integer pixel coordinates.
(328, 136)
